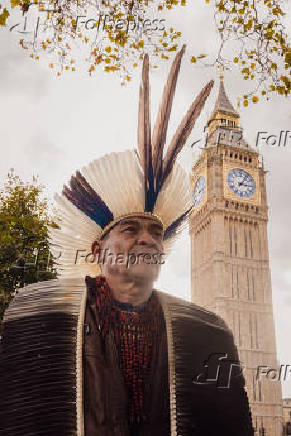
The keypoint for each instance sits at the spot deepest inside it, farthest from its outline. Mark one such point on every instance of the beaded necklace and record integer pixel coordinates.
(135, 332)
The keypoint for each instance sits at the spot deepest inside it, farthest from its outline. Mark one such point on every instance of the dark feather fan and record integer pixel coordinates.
(156, 169)
(83, 196)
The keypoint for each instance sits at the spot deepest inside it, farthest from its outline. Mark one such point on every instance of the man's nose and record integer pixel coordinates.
(145, 238)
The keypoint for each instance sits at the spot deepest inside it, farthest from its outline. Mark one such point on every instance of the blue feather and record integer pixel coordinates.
(83, 196)
(176, 225)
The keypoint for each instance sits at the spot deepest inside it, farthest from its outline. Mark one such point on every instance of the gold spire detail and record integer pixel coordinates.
(221, 73)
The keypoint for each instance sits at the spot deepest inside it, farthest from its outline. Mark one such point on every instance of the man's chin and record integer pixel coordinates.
(141, 271)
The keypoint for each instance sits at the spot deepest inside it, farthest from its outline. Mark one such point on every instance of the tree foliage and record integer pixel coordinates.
(263, 51)
(24, 224)
(113, 34)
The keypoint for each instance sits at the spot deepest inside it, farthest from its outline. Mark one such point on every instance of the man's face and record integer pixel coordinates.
(133, 247)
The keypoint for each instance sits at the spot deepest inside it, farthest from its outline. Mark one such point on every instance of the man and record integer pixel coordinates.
(120, 358)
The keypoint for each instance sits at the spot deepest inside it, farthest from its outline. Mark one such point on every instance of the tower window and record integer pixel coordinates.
(260, 394)
(251, 242)
(239, 330)
(245, 159)
(246, 244)
(235, 156)
(250, 159)
(230, 155)
(250, 329)
(230, 239)
(254, 393)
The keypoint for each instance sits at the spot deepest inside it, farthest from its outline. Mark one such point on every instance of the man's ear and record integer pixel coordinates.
(96, 247)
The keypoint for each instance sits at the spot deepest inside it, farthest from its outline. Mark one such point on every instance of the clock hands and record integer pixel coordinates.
(241, 183)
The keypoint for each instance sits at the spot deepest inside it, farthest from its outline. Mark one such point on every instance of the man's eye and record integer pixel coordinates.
(129, 229)
(158, 233)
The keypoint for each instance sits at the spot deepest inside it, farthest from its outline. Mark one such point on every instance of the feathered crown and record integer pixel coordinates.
(133, 182)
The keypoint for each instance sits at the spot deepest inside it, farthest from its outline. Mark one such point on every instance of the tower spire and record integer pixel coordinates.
(223, 124)
(221, 75)
(223, 103)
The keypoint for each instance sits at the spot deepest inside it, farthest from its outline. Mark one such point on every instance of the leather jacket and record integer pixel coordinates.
(190, 336)
(105, 396)
(58, 378)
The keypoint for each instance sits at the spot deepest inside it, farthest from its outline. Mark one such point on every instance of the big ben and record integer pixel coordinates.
(230, 271)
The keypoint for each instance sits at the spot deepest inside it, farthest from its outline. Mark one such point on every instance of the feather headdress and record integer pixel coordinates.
(133, 182)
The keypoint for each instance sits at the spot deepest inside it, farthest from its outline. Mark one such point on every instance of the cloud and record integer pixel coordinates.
(19, 74)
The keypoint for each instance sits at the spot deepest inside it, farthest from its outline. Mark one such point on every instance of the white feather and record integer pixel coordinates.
(175, 197)
(118, 179)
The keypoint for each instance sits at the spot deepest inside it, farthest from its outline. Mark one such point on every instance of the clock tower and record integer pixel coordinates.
(230, 271)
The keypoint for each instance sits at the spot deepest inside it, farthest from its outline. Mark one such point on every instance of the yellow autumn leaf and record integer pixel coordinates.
(255, 99)
(14, 3)
(246, 103)
(3, 17)
(193, 59)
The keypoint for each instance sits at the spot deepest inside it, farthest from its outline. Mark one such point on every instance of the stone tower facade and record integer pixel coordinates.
(230, 272)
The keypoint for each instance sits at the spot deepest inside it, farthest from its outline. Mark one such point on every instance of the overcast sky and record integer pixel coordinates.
(52, 126)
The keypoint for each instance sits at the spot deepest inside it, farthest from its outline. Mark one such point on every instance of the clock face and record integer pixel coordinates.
(241, 183)
(199, 191)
